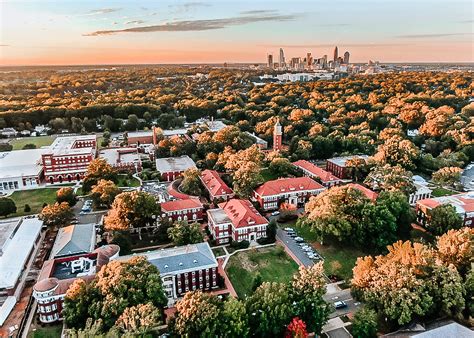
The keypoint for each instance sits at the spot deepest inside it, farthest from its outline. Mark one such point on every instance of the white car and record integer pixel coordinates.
(289, 230)
(275, 213)
(299, 239)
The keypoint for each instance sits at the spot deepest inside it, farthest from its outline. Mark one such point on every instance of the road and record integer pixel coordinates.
(345, 296)
(89, 217)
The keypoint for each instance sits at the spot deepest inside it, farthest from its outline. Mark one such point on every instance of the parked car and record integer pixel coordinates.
(299, 239)
(275, 213)
(289, 230)
(292, 234)
(340, 304)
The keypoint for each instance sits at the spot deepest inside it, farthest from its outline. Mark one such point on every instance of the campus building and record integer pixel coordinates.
(67, 159)
(236, 220)
(462, 203)
(59, 273)
(76, 239)
(295, 191)
(215, 186)
(311, 170)
(184, 268)
(190, 210)
(172, 168)
(339, 165)
(370, 194)
(123, 158)
(19, 242)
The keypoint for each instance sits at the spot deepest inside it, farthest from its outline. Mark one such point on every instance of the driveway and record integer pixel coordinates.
(294, 247)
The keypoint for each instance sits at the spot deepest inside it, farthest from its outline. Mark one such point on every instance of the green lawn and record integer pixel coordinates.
(331, 251)
(47, 332)
(218, 252)
(127, 181)
(438, 192)
(39, 141)
(273, 264)
(35, 198)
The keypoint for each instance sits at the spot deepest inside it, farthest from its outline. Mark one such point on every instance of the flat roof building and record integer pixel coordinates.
(171, 168)
(122, 158)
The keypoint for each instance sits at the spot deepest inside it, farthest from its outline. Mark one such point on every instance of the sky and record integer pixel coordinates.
(72, 32)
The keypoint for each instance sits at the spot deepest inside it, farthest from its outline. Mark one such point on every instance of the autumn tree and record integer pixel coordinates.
(281, 167)
(139, 319)
(448, 176)
(397, 151)
(98, 169)
(191, 183)
(7, 206)
(104, 193)
(456, 247)
(183, 233)
(391, 178)
(133, 209)
(57, 214)
(67, 195)
(443, 218)
(296, 329)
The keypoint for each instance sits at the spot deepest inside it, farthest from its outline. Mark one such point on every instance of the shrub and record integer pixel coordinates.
(27, 208)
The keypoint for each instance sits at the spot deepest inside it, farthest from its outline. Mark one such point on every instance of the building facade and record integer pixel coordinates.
(21, 170)
(68, 157)
(190, 210)
(122, 159)
(172, 168)
(295, 191)
(309, 169)
(215, 186)
(339, 165)
(462, 203)
(277, 136)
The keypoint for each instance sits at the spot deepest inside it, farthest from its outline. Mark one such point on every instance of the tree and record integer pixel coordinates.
(139, 319)
(234, 319)
(399, 151)
(133, 209)
(183, 233)
(443, 218)
(296, 329)
(377, 229)
(27, 208)
(197, 315)
(57, 214)
(191, 183)
(269, 309)
(246, 178)
(288, 211)
(257, 281)
(7, 206)
(66, 195)
(448, 176)
(391, 178)
(456, 247)
(104, 193)
(117, 286)
(281, 167)
(271, 231)
(29, 146)
(364, 323)
(98, 169)
(397, 203)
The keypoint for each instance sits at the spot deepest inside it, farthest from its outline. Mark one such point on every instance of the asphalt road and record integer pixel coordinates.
(345, 296)
(89, 217)
(294, 247)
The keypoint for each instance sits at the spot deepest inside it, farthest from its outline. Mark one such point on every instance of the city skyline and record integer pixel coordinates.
(119, 32)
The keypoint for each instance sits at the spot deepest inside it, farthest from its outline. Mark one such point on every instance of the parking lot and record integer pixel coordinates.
(305, 254)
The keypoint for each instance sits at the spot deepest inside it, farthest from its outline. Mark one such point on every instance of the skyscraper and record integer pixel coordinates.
(309, 60)
(335, 54)
(270, 60)
(346, 58)
(325, 61)
(282, 58)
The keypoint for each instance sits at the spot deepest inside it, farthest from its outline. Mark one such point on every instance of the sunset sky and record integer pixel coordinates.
(116, 32)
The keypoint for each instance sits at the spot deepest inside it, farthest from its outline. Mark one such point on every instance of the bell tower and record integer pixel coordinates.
(277, 136)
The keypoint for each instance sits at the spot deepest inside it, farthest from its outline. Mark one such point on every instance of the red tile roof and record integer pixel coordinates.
(372, 195)
(191, 203)
(215, 184)
(464, 203)
(324, 176)
(284, 185)
(242, 213)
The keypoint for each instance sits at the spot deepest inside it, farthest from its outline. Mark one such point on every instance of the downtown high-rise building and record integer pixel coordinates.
(270, 60)
(335, 54)
(309, 60)
(282, 58)
(346, 58)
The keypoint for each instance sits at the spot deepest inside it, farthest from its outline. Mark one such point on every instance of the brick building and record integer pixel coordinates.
(185, 268)
(238, 220)
(122, 158)
(215, 186)
(295, 191)
(339, 165)
(309, 169)
(183, 210)
(68, 157)
(371, 195)
(277, 136)
(172, 168)
(463, 203)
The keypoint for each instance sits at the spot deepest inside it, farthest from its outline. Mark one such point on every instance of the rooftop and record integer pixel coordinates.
(17, 238)
(115, 156)
(174, 164)
(463, 203)
(242, 213)
(324, 176)
(371, 195)
(214, 183)
(180, 259)
(285, 185)
(341, 161)
(173, 132)
(66, 145)
(191, 203)
(21, 162)
(142, 133)
(74, 239)
(219, 216)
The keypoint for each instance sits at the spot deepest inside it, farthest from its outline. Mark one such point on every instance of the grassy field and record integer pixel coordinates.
(39, 141)
(47, 332)
(332, 252)
(126, 181)
(438, 192)
(35, 198)
(273, 264)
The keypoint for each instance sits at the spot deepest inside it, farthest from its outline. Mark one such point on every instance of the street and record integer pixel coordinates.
(346, 297)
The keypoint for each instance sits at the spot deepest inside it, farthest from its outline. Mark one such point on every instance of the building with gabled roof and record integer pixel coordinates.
(295, 191)
(311, 170)
(216, 187)
(339, 165)
(74, 239)
(190, 210)
(236, 220)
(462, 203)
(184, 268)
(371, 195)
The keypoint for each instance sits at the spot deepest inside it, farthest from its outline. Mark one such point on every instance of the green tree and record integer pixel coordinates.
(443, 218)
(397, 203)
(364, 324)
(7, 206)
(271, 231)
(29, 146)
(66, 195)
(191, 183)
(377, 229)
(183, 233)
(234, 319)
(281, 167)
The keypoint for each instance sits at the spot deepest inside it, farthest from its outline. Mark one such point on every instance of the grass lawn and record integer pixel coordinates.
(47, 332)
(331, 251)
(218, 252)
(126, 181)
(438, 192)
(35, 198)
(39, 141)
(273, 264)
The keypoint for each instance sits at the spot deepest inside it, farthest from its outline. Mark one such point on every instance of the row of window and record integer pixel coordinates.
(48, 308)
(49, 318)
(194, 287)
(11, 185)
